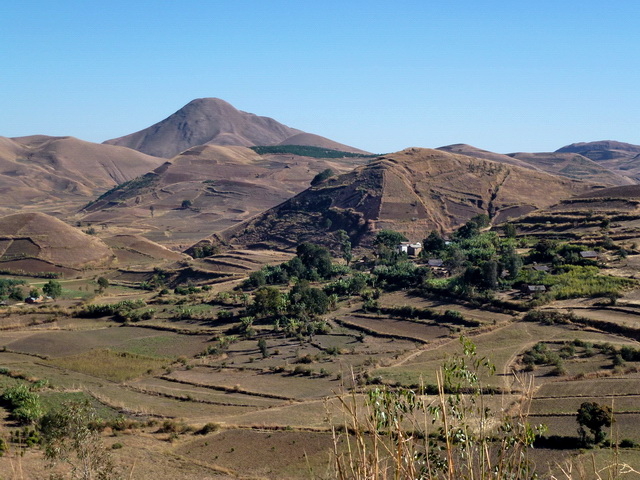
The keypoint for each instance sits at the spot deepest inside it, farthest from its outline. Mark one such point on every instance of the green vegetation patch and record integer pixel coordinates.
(163, 346)
(110, 365)
(584, 281)
(54, 400)
(129, 188)
(306, 151)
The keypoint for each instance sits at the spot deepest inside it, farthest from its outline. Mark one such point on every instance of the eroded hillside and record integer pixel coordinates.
(413, 192)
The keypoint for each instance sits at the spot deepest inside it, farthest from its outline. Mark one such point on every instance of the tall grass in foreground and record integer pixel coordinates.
(402, 434)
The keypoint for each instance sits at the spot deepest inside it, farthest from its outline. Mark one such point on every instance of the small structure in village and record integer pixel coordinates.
(541, 268)
(533, 289)
(435, 262)
(589, 254)
(411, 249)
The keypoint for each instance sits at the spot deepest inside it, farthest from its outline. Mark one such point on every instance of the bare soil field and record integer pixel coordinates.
(401, 329)
(284, 386)
(625, 425)
(58, 343)
(399, 299)
(265, 453)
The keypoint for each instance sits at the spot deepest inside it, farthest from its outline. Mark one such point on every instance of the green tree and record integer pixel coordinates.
(433, 243)
(103, 283)
(34, 292)
(308, 301)
(69, 436)
(389, 238)
(267, 301)
(262, 346)
(186, 204)
(512, 262)
(345, 246)
(315, 257)
(509, 230)
(52, 288)
(594, 417)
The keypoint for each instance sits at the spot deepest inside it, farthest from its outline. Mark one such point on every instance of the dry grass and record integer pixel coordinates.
(107, 364)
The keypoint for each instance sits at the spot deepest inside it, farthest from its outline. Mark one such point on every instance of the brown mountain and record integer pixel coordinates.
(59, 174)
(573, 165)
(207, 189)
(35, 242)
(567, 164)
(619, 157)
(471, 151)
(215, 122)
(412, 191)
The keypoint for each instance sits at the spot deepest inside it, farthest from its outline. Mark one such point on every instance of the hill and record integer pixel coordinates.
(566, 164)
(471, 151)
(59, 174)
(35, 242)
(412, 191)
(573, 165)
(215, 122)
(623, 158)
(209, 188)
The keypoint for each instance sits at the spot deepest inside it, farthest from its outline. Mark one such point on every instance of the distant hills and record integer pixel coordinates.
(563, 162)
(211, 121)
(413, 192)
(619, 157)
(219, 186)
(59, 174)
(210, 168)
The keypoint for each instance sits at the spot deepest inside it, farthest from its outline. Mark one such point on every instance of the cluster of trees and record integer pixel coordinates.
(306, 151)
(478, 259)
(312, 263)
(558, 253)
(297, 310)
(69, 434)
(322, 176)
(10, 288)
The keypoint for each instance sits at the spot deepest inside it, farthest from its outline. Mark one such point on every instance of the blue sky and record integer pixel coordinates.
(501, 75)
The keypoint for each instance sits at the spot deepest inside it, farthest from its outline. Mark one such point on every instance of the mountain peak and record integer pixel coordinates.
(213, 121)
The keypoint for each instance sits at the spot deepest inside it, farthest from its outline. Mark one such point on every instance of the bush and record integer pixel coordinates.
(24, 404)
(208, 428)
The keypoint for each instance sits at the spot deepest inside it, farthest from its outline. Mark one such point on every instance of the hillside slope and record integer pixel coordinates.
(412, 191)
(58, 174)
(215, 122)
(573, 165)
(619, 157)
(206, 189)
(35, 242)
(567, 164)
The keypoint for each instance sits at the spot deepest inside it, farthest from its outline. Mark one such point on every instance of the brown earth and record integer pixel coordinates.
(619, 157)
(412, 191)
(49, 240)
(575, 166)
(215, 122)
(225, 185)
(60, 174)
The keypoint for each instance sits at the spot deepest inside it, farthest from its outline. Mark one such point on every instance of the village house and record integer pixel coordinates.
(411, 249)
(541, 268)
(533, 289)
